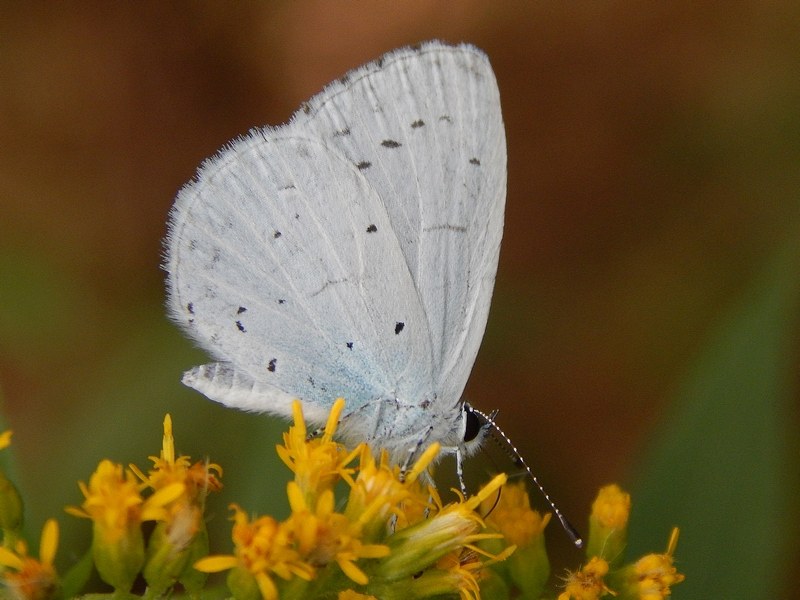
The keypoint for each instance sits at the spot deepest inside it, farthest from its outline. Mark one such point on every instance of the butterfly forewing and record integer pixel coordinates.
(425, 128)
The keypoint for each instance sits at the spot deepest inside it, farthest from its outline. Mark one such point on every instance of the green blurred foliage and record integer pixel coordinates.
(724, 465)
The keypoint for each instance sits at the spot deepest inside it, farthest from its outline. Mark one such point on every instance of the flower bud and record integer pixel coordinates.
(608, 525)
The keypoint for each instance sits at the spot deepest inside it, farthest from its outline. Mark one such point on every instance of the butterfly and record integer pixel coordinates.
(352, 252)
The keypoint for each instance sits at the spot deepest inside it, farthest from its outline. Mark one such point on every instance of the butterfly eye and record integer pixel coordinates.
(473, 425)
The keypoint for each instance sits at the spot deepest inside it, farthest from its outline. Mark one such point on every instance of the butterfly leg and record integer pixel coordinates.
(412, 455)
(314, 434)
(460, 471)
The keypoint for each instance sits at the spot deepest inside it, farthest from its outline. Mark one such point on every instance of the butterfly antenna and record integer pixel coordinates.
(511, 449)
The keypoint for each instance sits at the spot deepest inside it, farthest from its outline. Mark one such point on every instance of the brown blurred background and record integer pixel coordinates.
(653, 165)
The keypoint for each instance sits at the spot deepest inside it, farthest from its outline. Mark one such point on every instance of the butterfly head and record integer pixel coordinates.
(474, 427)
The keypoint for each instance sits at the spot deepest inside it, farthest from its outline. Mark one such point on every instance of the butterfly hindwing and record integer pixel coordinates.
(273, 271)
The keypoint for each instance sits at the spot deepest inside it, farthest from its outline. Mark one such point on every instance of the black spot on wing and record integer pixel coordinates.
(364, 164)
(447, 118)
(342, 132)
(240, 327)
(474, 161)
(240, 310)
(190, 308)
(417, 124)
(390, 144)
(281, 301)
(277, 234)
(372, 228)
(398, 327)
(350, 345)
(271, 365)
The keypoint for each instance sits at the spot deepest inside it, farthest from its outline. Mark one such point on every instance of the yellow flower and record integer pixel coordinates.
(198, 479)
(466, 572)
(422, 500)
(654, 574)
(452, 528)
(513, 517)
(180, 536)
(378, 495)
(316, 536)
(460, 571)
(324, 536)
(608, 525)
(587, 584)
(5, 439)
(114, 503)
(612, 507)
(263, 548)
(27, 578)
(317, 463)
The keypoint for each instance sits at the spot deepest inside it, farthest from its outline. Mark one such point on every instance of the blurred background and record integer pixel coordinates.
(644, 325)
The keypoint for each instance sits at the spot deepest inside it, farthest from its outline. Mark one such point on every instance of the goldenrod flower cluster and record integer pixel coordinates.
(605, 575)
(392, 537)
(172, 495)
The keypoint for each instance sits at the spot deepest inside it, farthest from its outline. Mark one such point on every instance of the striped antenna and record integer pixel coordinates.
(514, 454)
